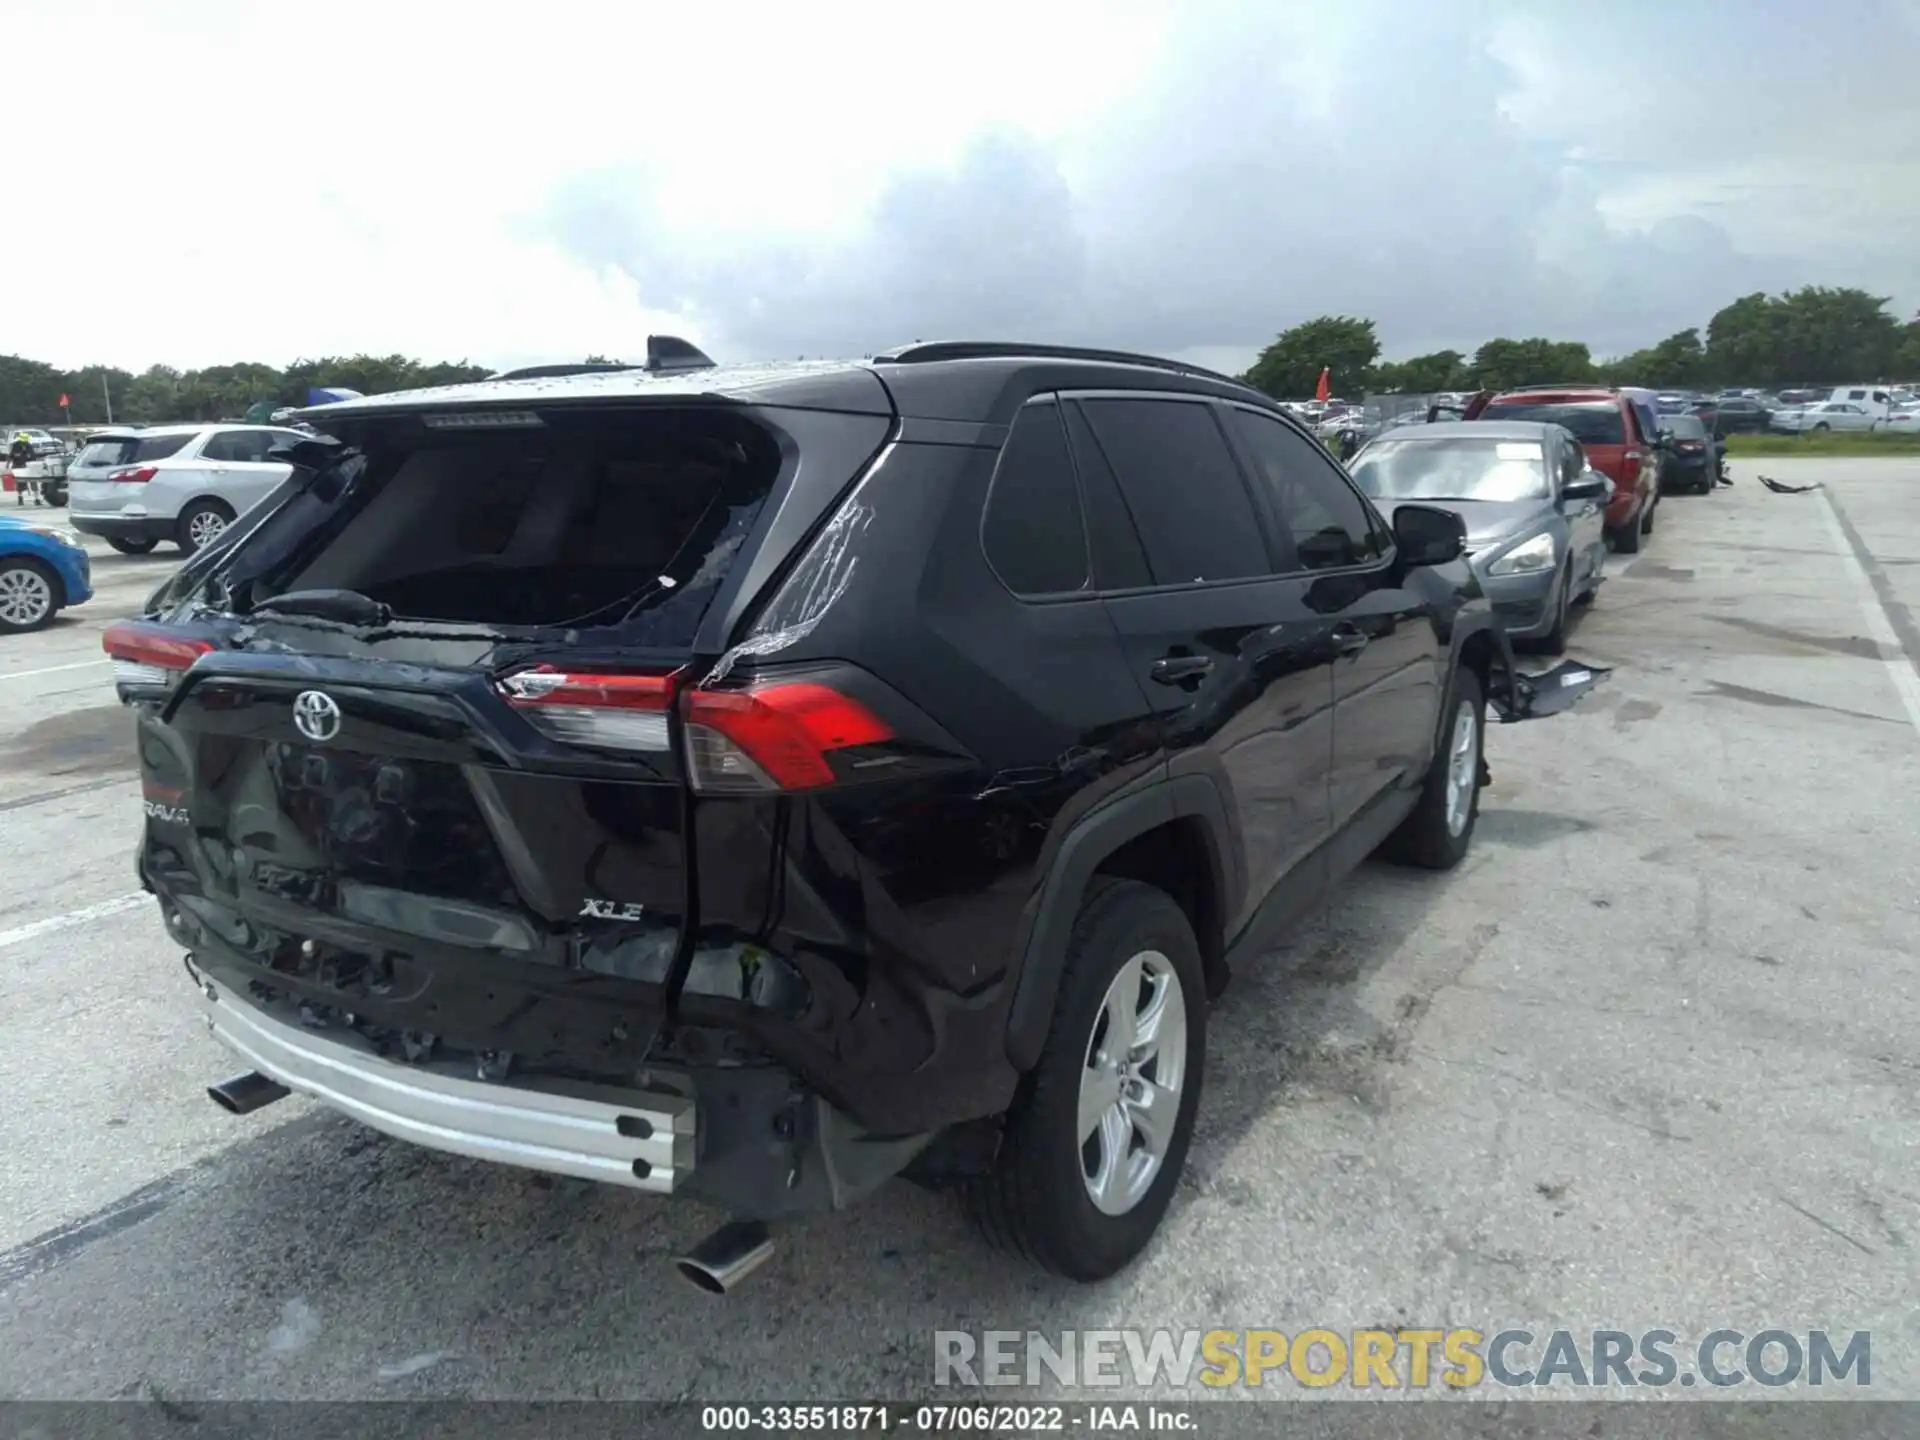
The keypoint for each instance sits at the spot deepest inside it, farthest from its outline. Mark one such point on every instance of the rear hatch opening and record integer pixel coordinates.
(537, 527)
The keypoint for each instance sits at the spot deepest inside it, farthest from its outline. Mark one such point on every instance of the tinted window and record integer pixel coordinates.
(1183, 488)
(1328, 524)
(1032, 532)
(244, 447)
(157, 447)
(1594, 422)
(1118, 561)
(1687, 427)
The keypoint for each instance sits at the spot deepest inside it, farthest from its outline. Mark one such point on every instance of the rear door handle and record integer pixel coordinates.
(1348, 640)
(1181, 669)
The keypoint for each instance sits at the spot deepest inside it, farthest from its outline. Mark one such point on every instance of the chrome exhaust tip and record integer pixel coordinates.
(244, 1094)
(719, 1263)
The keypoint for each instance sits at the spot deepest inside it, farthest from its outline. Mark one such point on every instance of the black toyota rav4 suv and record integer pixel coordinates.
(754, 783)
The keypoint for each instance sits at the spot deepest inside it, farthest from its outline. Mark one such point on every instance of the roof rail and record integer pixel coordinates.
(549, 372)
(666, 355)
(931, 351)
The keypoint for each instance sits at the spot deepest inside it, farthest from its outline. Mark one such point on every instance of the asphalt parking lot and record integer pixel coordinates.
(1650, 1058)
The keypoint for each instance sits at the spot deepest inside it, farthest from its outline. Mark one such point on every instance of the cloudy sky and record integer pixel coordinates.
(208, 181)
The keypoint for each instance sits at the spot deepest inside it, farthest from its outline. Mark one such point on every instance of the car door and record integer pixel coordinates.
(1387, 680)
(1235, 664)
(238, 467)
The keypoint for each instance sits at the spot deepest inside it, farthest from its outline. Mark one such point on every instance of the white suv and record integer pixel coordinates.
(184, 483)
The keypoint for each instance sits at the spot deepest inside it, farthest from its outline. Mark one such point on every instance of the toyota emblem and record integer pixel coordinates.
(316, 716)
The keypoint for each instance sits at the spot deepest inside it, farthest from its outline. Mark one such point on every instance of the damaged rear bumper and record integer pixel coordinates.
(640, 1139)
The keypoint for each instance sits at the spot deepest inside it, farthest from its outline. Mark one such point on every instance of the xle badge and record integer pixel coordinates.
(611, 910)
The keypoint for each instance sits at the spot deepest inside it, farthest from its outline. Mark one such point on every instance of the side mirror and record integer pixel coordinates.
(1591, 485)
(1428, 535)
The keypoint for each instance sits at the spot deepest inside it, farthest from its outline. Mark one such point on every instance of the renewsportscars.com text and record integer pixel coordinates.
(1416, 1359)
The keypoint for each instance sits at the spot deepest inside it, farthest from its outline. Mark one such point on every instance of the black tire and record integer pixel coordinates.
(1425, 838)
(132, 547)
(1035, 1202)
(193, 521)
(1554, 642)
(22, 570)
(1822, 428)
(1627, 541)
(1650, 514)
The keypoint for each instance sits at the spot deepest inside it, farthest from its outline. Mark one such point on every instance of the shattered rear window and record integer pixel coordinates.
(631, 520)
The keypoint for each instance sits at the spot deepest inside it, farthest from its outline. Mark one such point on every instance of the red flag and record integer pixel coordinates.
(64, 402)
(1325, 387)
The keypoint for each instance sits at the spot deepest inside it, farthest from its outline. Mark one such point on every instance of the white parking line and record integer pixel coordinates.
(1873, 609)
(72, 918)
(55, 669)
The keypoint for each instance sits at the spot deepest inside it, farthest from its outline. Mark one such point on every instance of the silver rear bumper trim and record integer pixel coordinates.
(561, 1129)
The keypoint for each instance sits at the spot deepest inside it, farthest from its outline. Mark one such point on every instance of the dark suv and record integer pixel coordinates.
(753, 783)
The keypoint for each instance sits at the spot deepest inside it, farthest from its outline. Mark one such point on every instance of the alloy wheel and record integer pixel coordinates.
(205, 528)
(25, 597)
(1130, 1085)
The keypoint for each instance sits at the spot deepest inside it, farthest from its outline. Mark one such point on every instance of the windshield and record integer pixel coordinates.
(1593, 422)
(1686, 427)
(1453, 468)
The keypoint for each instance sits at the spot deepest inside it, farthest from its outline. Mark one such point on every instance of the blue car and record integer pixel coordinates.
(43, 569)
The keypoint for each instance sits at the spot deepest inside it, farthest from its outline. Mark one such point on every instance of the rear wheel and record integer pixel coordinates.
(1095, 1142)
(131, 547)
(200, 524)
(29, 595)
(1627, 539)
(1435, 836)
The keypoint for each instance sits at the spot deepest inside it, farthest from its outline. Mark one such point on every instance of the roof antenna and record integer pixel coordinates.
(669, 353)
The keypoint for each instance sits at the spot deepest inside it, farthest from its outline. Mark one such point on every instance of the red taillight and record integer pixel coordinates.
(621, 712)
(773, 737)
(147, 654)
(138, 475)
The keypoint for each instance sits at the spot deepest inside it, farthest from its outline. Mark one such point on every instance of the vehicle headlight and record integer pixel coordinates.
(1526, 557)
(65, 537)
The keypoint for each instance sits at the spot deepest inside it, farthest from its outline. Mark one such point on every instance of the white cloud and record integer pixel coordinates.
(255, 182)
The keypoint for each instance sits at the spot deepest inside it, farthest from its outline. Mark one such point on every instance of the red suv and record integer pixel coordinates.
(1620, 442)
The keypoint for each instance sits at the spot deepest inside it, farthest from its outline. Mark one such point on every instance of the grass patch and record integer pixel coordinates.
(1828, 444)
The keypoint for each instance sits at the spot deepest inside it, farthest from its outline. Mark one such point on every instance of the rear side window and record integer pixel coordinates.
(157, 447)
(240, 447)
(1183, 488)
(1591, 422)
(1328, 523)
(1119, 562)
(1032, 531)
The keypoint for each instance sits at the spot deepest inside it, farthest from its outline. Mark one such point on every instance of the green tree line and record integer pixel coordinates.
(1805, 336)
(30, 390)
(1810, 335)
